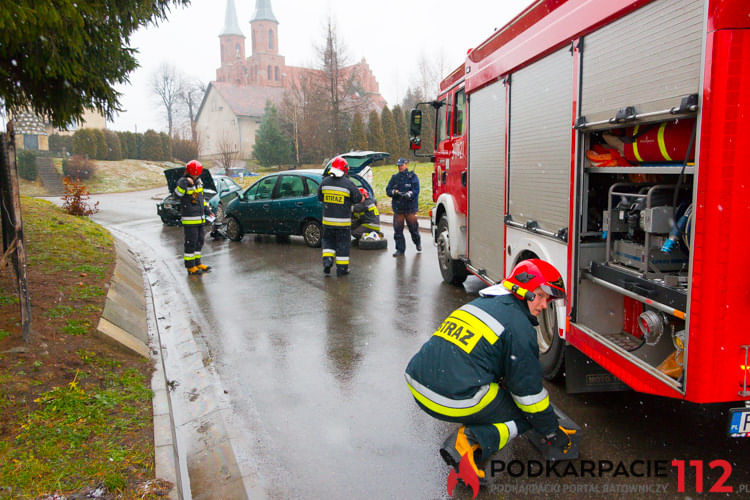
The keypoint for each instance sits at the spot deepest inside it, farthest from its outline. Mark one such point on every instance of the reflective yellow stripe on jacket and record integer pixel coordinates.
(452, 407)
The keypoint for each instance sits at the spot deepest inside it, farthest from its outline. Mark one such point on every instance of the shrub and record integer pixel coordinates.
(26, 164)
(166, 147)
(152, 146)
(184, 150)
(76, 199)
(78, 167)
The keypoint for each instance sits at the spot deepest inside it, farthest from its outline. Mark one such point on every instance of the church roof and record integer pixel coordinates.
(231, 26)
(246, 100)
(263, 11)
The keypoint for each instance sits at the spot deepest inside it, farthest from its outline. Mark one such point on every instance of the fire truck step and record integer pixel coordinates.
(538, 441)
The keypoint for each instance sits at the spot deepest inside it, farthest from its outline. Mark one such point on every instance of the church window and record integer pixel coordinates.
(270, 39)
(269, 71)
(253, 40)
(276, 73)
(237, 50)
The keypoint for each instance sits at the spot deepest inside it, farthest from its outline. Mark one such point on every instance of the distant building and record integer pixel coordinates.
(234, 104)
(33, 133)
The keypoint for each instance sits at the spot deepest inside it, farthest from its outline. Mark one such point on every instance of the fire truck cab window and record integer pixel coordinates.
(458, 113)
(442, 129)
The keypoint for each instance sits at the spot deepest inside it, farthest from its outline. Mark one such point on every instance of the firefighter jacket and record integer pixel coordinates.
(366, 214)
(338, 194)
(490, 339)
(404, 182)
(193, 206)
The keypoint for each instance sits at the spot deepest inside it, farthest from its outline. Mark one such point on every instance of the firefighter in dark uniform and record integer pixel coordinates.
(194, 210)
(404, 189)
(338, 194)
(481, 368)
(365, 216)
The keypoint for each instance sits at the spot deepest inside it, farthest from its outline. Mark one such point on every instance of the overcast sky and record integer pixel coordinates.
(385, 33)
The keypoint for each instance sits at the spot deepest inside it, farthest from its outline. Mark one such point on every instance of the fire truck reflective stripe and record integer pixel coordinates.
(534, 403)
(662, 145)
(331, 221)
(452, 407)
(342, 260)
(329, 252)
(493, 324)
(635, 144)
(507, 431)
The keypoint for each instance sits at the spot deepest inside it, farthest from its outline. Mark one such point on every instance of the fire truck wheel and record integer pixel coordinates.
(551, 346)
(453, 271)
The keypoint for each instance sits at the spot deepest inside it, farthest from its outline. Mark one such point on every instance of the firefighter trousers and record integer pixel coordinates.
(337, 242)
(493, 425)
(398, 230)
(194, 237)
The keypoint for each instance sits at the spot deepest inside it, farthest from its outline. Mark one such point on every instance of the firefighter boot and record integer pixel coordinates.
(204, 268)
(459, 444)
(194, 271)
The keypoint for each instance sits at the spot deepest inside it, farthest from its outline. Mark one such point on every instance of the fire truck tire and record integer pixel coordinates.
(551, 346)
(453, 271)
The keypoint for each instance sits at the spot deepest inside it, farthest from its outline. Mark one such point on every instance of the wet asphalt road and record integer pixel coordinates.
(313, 367)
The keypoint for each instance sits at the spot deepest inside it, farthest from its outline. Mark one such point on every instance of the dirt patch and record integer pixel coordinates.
(75, 412)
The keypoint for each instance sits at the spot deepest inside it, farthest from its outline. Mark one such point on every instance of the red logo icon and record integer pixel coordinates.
(466, 474)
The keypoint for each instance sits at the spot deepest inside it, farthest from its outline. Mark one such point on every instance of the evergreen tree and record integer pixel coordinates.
(123, 137)
(152, 148)
(402, 134)
(114, 151)
(271, 146)
(357, 135)
(390, 139)
(375, 132)
(133, 145)
(101, 144)
(84, 143)
(60, 58)
(166, 147)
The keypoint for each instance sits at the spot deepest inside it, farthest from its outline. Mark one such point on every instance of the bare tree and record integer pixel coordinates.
(228, 152)
(167, 85)
(431, 71)
(191, 96)
(337, 83)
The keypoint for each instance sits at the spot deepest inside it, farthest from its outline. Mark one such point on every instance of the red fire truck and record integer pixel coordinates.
(607, 137)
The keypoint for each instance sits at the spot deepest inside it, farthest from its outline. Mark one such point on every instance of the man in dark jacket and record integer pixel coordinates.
(338, 194)
(481, 368)
(404, 189)
(193, 209)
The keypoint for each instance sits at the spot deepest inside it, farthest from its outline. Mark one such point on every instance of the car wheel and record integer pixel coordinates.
(453, 271)
(551, 346)
(221, 214)
(312, 232)
(234, 230)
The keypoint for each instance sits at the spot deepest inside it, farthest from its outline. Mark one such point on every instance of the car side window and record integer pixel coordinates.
(252, 192)
(265, 188)
(291, 186)
(312, 186)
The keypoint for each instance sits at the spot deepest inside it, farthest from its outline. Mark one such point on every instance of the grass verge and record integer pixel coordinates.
(75, 412)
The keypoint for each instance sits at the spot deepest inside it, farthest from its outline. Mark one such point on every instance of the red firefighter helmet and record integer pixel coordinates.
(339, 167)
(528, 275)
(194, 168)
(364, 193)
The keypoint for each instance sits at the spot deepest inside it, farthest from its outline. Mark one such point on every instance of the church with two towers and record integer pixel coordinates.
(234, 103)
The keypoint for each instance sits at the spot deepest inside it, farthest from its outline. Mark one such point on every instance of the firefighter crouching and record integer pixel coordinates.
(481, 368)
(365, 216)
(338, 194)
(194, 210)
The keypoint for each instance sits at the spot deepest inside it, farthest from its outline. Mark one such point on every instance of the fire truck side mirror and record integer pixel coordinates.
(415, 129)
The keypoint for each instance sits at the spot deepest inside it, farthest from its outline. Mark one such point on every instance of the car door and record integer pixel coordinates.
(292, 203)
(255, 206)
